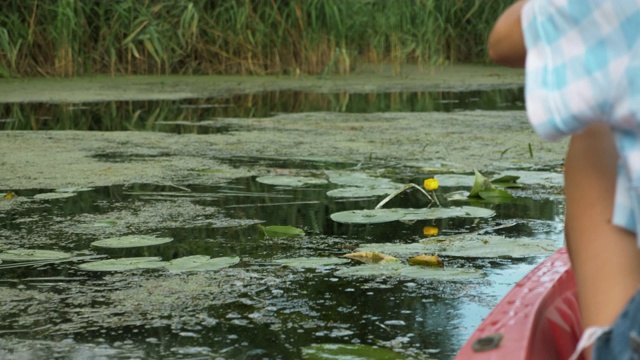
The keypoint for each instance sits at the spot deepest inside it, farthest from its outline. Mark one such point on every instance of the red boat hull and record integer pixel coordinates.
(538, 319)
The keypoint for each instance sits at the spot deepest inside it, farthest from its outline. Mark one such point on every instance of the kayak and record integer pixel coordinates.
(538, 319)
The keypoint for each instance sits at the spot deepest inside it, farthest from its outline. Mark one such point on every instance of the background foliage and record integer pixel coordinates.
(83, 37)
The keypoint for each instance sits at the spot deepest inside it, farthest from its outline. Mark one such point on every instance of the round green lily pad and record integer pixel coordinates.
(488, 246)
(404, 270)
(130, 241)
(293, 181)
(360, 192)
(311, 262)
(73, 189)
(31, 255)
(360, 179)
(448, 212)
(123, 264)
(368, 216)
(53, 195)
(385, 215)
(455, 180)
(200, 263)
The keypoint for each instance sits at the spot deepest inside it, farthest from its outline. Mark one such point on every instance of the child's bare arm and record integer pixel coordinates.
(506, 43)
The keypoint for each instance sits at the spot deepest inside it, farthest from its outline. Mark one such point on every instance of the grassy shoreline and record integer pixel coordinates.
(316, 37)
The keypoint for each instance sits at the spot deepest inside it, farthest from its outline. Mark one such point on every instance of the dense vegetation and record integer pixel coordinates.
(82, 37)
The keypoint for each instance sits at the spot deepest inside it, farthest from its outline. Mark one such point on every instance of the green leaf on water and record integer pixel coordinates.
(360, 179)
(73, 189)
(275, 231)
(448, 212)
(454, 180)
(348, 352)
(366, 216)
(292, 181)
(349, 192)
(506, 181)
(496, 196)
(387, 215)
(130, 241)
(200, 263)
(31, 255)
(480, 183)
(311, 262)
(53, 195)
(545, 178)
(485, 246)
(405, 270)
(123, 264)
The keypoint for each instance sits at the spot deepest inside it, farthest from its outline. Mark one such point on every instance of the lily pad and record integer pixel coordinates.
(448, 212)
(496, 196)
(31, 255)
(488, 246)
(293, 181)
(311, 262)
(130, 241)
(276, 231)
(395, 248)
(73, 189)
(349, 192)
(456, 180)
(368, 216)
(386, 215)
(544, 178)
(372, 257)
(200, 263)
(359, 179)
(348, 352)
(480, 183)
(53, 195)
(404, 270)
(123, 264)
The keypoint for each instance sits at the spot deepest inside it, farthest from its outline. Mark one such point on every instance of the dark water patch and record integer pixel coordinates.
(202, 116)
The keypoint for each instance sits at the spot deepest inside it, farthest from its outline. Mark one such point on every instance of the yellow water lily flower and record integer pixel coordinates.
(10, 195)
(430, 230)
(430, 184)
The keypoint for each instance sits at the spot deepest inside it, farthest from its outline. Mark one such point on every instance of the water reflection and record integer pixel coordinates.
(199, 115)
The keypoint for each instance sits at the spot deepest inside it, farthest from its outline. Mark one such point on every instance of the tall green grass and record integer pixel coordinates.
(81, 37)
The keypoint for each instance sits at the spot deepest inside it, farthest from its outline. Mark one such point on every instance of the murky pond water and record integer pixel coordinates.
(257, 308)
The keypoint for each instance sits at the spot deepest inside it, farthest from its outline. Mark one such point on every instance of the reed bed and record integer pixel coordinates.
(86, 37)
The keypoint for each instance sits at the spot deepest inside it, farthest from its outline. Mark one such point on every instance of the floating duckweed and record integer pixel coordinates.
(348, 351)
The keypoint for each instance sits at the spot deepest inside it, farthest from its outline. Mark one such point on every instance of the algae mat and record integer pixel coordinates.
(458, 141)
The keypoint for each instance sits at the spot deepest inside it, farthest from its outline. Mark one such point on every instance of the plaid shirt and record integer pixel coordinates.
(583, 67)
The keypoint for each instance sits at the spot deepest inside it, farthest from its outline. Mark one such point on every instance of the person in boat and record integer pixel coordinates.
(582, 78)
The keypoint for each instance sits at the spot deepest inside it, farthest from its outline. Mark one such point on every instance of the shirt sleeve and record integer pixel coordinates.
(568, 79)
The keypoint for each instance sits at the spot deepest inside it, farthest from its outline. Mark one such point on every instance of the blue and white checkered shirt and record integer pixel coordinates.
(583, 67)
